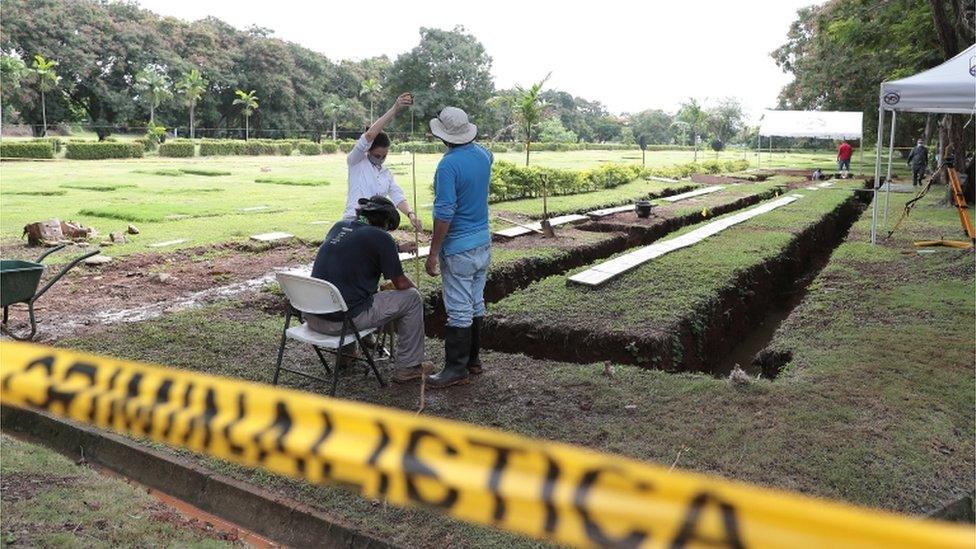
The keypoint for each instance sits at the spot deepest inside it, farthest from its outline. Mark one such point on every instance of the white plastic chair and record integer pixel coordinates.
(307, 295)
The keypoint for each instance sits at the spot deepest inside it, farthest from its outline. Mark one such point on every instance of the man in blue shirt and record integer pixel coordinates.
(461, 243)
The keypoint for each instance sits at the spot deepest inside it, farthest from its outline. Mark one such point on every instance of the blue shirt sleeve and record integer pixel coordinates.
(445, 192)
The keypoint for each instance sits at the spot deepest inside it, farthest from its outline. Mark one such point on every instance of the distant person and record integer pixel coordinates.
(461, 243)
(367, 176)
(918, 159)
(844, 154)
(352, 257)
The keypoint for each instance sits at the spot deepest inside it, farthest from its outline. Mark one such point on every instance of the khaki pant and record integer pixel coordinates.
(405, 308)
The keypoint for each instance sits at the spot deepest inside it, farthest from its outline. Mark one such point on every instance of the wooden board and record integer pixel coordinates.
(692, 194)
(608, 270)
(424, 251)
(271, 237)
(561, 220)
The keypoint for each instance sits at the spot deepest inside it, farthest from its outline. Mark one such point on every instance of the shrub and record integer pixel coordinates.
(284, 148)
(147, 144)
(309, 148)
(54, 141)
(346, 145)
(26, 149)
(299, 182)
(203, 171)
(511, 182)
(94, 150)
(419, 147)
(177, 148)
(220, 147)
(330, 147)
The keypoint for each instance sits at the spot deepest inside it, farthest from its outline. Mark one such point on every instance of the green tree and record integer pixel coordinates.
(13, 72)
(447, 68)
(370, 88)
(725, 119)
(191, 88)
(334, 106)
(47, 80)
(249, 103)
(153, 87)
(529, 109)
(696, 118)
(551, 130)
(653, 124)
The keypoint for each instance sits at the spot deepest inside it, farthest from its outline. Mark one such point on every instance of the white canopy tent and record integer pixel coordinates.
(819, 124)
(949, 88)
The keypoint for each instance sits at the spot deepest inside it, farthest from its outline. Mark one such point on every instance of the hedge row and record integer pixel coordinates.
(54, 141)
(511, 182)
(177, 148)
(428, 147)
(95, 150)
(254, 147)
(26, 149)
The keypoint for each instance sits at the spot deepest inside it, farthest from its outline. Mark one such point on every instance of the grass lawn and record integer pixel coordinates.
(48, 501)
(875, 405)
(189, 199)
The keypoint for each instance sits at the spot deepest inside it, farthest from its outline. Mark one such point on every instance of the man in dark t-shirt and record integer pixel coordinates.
(353, 257)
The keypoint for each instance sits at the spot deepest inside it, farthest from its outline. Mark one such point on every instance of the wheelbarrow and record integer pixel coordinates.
(19, 281)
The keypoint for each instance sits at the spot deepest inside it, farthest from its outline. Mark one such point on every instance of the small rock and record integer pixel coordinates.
(82, 244)
(132, 229)
(265, 169)
(106, 243)
(99, 259)
(739, 377)
(163, 277)
(118, 238)
(630, 407)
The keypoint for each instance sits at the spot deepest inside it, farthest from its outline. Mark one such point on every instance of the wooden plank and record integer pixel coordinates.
(692, 194)
(271, 237)
(167, 243)
(537, 226)
(663, 179)
(611, 211)
(423, 251)
(608, 270)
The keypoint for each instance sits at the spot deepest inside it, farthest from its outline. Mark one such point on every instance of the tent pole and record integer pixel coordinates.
(891, 154)
(877, 175)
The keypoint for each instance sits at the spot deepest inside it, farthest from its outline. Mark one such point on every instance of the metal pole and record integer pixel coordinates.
(877, 175)
(891, 154)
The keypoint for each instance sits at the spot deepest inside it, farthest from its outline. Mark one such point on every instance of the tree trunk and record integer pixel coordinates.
(152, 115)
(191, 120)
(43, 115)
(929, 128)
(527, 145)
(944, 28)
(247, 128)
(371, 120)
(334, 129)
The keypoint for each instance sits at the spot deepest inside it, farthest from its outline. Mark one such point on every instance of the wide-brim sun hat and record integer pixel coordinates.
(452, 125)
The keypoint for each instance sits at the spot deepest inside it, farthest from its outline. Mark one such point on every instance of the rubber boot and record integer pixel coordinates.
(474, 359)
(457, 347)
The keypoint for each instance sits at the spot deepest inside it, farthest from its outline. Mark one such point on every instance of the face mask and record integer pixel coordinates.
(375, 161)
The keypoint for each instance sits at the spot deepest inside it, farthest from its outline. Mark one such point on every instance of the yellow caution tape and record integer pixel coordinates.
(541, 489)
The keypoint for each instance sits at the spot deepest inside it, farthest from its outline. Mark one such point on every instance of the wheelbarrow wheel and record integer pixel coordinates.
(19, 337)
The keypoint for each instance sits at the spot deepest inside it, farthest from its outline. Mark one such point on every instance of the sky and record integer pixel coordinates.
(628, 56)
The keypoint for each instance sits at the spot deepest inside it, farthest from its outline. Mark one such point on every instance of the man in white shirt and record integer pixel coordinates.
(367, 176)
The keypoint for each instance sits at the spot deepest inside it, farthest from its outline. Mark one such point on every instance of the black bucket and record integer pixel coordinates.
(643, 208)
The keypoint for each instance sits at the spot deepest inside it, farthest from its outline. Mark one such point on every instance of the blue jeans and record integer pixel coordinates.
(464, 276)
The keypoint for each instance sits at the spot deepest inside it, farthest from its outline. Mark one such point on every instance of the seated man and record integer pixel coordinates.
(353, 256)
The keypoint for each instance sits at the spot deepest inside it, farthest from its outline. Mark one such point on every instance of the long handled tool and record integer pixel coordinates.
(517, 224)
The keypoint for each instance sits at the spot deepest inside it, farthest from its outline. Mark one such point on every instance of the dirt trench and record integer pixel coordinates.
(703, 340)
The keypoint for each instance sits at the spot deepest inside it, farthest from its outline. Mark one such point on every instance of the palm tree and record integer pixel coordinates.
(249, 101)
(370, 88)
(154, 84)
(332, 108)
(696, 117)
(530, 108)
(47, 80)
(191, 87)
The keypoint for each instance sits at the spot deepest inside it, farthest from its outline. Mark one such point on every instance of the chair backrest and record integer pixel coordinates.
(311, 295)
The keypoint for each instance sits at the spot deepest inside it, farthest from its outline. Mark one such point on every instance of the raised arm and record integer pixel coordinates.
(402, 102)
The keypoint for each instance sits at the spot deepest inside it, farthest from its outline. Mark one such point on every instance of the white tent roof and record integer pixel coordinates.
(823, 124)
(948, 88)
